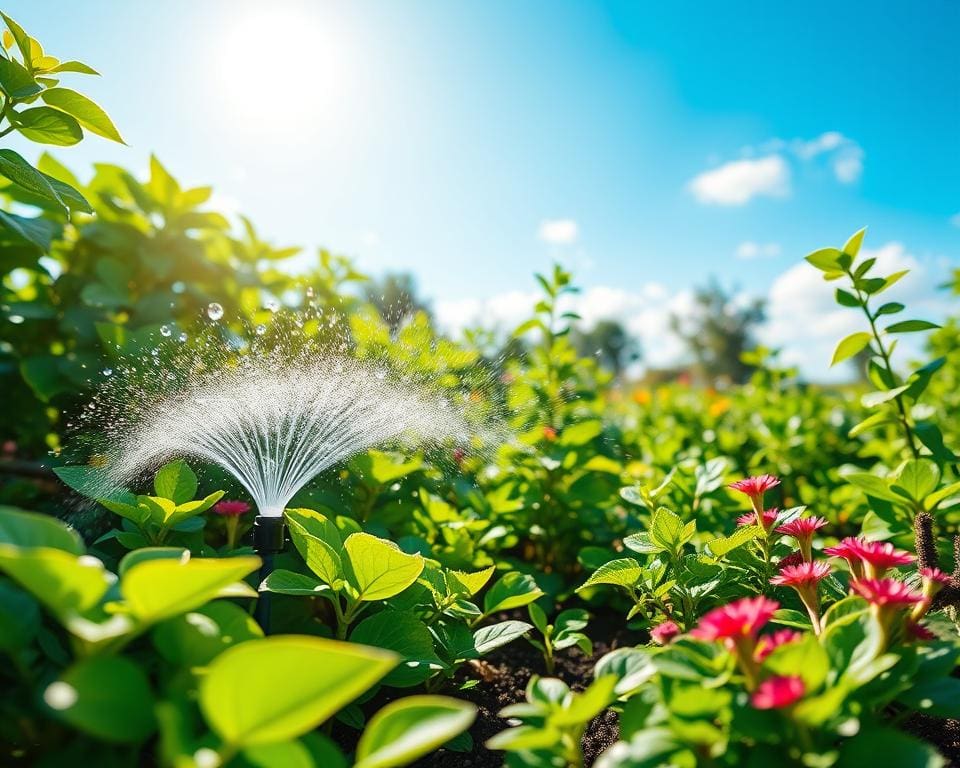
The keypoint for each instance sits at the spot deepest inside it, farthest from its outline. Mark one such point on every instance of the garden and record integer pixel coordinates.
(257, 519)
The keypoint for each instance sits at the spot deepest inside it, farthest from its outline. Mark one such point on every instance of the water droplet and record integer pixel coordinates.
(260, 329)
(214, 311)
(272, 305)
(381, 374)
(165, 330)
(178, 287)
(60, 695)
(107, 371)
(182, 337)
(16, 319)
(156, 352)
(309, 291)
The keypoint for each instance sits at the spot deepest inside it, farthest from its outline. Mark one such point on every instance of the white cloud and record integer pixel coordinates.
(739, 181)
(766, 169)
(558, 231)
(751, 250)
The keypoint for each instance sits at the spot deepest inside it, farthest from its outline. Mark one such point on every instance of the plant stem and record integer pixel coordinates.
(885, 355)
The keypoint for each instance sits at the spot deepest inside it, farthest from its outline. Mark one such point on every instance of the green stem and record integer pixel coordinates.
(885, 355)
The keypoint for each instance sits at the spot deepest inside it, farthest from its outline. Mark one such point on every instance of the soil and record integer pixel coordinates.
(503, 677)
(943, 734)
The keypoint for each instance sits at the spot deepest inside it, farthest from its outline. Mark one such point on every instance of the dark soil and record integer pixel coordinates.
(943, 734)
(503, 677)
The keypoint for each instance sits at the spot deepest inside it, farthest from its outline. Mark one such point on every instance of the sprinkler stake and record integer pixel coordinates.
(268, 539)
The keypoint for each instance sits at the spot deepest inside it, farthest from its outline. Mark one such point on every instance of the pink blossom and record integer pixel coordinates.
(778, 692)
(851, 550)
(663, 633)
(884, 592)
(755, 487)
(231, 508)
(802, 529)
(880, 556)
(935, 576)
(767, 520)
(919, 632)
(801, 575)
(766, 644)
(739, 619)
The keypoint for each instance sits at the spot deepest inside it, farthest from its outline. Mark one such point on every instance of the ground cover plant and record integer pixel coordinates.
(618, 574)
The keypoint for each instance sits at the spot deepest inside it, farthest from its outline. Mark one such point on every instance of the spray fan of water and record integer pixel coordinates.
(275, 429)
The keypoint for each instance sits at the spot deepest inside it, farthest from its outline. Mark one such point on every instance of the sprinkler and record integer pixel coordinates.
(268, 536)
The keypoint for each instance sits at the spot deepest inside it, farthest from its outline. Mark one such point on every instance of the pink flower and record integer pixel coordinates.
(755, 487)
(885, 592)
(802, 529)
(851, 550)
(766, 644)
(778, 692)
(880, 556)
(663, 633)
(934, 576)
(801, 575)
(804, 578)
(740, 619)
(768, 519)
(231, 508)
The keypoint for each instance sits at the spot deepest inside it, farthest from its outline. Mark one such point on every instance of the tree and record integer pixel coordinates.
(395, 297)
(610, 343)
(718, 331)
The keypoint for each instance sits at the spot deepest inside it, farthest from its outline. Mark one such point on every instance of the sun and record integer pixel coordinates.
(281, 65)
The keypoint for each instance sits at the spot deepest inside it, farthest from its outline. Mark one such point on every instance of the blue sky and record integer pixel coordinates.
(648, 145)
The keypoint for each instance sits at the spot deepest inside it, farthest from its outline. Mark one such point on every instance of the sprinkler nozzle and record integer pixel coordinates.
(268, 534)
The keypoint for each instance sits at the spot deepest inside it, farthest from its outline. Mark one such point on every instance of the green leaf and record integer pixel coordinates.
(158, 589)
(408, 637)
(281, 687)
(826, 259)
(917, 478)
(625, 572)
(87, 112)
(873, 486)
(377, 568)
(38, 233)
(285, 582)
(896, 747)
(17, 82)
(405, 730)
(852, 246)
(725, 545)
(145, 554)
(494, 636)
(581, 433)
(26, 530)
(513, 590)
(807, 659)
(47, 125)
(91, 482)
(846, 299)
(21, 37)
(176, 481)
(107, 697)
(469, 583)
(588, 704)
(873, 399)
(318, 542)
(20, 172)
(911, 326)
(66, 584)
(890, 308)
(74, 66)
(198, 637)
(850, 346)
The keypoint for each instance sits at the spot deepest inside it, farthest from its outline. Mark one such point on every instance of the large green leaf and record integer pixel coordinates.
(20, 172)
(407, 729)
(176, 481)
(26, 530)
(157, 589)
(404, 634)
(278, 688)
(378, 569)
(64, 583)
(19, 617)
(47, 125)
(87, 112)
(850, 346)
(494, 636)
(318, 542)
(16, 81)
(513, 590)
(107, 697)
(625, 572)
